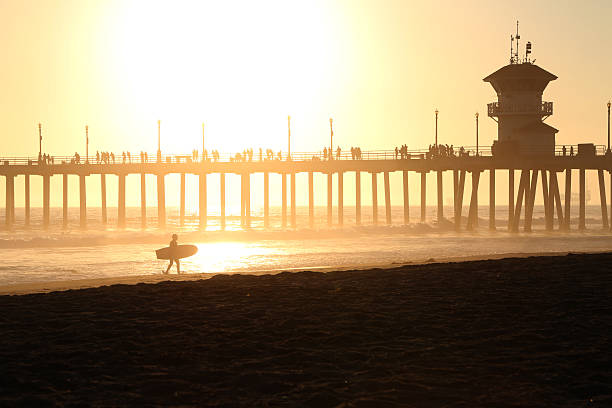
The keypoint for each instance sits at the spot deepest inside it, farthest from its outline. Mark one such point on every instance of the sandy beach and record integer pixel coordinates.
(513, 332)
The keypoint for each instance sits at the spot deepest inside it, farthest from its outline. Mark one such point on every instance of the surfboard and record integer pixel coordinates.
(181, 251)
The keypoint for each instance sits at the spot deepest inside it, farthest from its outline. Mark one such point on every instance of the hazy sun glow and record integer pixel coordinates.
(240, 67)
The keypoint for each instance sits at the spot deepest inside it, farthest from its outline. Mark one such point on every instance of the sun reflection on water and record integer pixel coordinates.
(216, 257)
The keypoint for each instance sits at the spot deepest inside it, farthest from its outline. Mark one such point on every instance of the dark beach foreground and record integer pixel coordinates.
(515, 332)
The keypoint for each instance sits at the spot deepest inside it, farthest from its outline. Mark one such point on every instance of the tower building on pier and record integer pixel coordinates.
(519, 110)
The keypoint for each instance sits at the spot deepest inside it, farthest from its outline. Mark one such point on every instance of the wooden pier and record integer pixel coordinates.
(534, 173)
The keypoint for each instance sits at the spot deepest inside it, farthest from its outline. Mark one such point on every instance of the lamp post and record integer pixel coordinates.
(159, 140)
(289, 137)
(476, 133)
(86, 144)
(331, 140)
(609, 126)
(436, 127)
(40, 141)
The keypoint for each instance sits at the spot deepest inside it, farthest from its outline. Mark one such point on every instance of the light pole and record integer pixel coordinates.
(86, 144)
(476, 133)
(609, 126)
(331, 139)
(289, 137)
(40, 141)
(436, 127)
(159, 140)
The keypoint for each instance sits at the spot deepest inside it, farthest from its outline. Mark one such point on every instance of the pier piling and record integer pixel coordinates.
(46, 199)
(64, 201)
(582, 209)
(387, 198)
(284, 201)
(440, 212)
(423, 196)
(121, 202)
(340, 198)
(568, 198)
(222, 196)
(492, 199)
(329, 199)
(293, 204)
(182, 202)
(27, 200)
(266, 200)
(161, 201)
(374, 199)
(510, 198)
(310, 200)
(602, 199)
(103, 197)
(406, 198)
(83, 202)
(202, 201)
(358, 197)
(143, 200)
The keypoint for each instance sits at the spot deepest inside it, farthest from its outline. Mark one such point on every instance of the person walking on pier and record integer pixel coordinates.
(338, 153)
(173, 245)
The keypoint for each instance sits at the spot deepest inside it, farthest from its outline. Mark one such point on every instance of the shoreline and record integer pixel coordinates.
(59, 286)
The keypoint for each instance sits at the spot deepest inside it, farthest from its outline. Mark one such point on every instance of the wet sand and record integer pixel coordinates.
(494, 333)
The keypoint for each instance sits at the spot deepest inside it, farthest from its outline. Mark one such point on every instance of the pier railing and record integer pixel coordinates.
(468, 151)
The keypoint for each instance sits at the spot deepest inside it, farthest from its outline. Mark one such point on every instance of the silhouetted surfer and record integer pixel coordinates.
(173, 245)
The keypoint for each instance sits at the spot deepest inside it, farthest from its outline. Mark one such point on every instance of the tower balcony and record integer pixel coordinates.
(495, 109)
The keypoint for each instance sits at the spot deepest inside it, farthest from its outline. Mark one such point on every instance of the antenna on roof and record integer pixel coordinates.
(518, 37)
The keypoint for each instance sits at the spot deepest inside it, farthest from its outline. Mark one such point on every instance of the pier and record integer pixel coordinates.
(536, 174)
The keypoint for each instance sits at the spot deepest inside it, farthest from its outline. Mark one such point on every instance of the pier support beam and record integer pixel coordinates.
(459, 200)
(329, 199)
(547, 198)
(143, 200)
(582, 213)
(530, 201)
(423, 196)
(510, 199)
(266, 200)
(556, 197)
(406, 198)
(46, 199)
(568, 198)
(602, 199)
(161, 201)
(492, 199)
(522, 192)
(121, 202)
(310, 200)
(182, 202)
(202, 200)
(64, 201)
(27, 200)
(293, 205)
(247, 187)
(83, 202)
(222, 196)
(387, 197)
(340, 198)
(374, 199)
(9, 206)
(473, 211)
(284, 201)
(440, 212)
(103, 196)
(242, 200)
(358, 197)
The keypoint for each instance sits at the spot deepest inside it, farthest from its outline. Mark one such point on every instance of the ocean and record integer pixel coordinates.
(33, 255)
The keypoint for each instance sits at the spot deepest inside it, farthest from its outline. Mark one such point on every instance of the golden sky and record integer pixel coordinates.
(379, 68)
